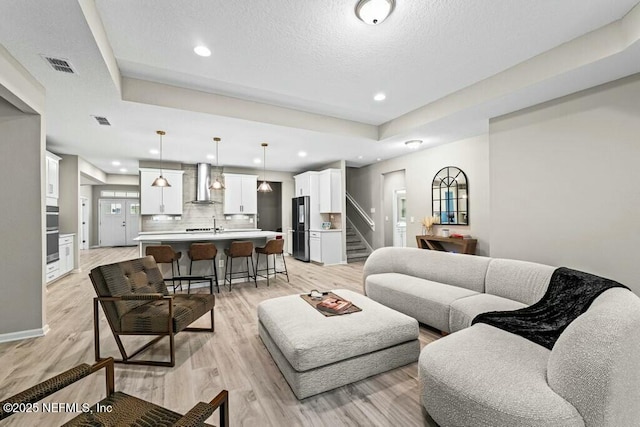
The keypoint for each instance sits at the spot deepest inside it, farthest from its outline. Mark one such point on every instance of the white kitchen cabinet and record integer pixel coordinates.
(303, 184)
(307, 184)
(240, 194)
(325, 246)
(161, 200)
(52, 172)
(330, 191)
(52, 271)
(66, 262)
(315, 246)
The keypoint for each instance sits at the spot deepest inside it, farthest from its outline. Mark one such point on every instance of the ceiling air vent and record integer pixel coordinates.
(59, 64)
(102, 120)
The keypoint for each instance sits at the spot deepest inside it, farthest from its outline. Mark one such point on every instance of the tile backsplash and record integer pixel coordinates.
(197, 215)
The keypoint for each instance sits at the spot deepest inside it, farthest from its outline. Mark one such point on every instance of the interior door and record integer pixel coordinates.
(113, 224)
(84, 229)
(132, 221)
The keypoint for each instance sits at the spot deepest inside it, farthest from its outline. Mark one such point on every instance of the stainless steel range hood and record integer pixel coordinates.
(203, 181)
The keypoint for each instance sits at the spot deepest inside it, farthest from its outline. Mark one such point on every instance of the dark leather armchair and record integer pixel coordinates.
(135, 301)
(117, 408)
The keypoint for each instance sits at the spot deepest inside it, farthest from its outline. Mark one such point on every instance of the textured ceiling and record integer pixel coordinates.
(309, 55)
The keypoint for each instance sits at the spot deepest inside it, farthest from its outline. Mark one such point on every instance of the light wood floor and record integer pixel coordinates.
(232, 358)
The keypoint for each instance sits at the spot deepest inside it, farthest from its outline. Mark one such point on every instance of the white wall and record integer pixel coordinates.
(565, 182)
(471, 155)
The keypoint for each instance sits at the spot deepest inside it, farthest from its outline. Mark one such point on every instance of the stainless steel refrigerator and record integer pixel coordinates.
(300, 225)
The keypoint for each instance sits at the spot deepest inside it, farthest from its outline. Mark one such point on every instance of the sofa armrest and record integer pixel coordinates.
(380, 261)
(199, 413)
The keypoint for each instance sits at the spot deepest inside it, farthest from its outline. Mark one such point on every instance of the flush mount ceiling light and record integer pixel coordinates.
(217, 183)
(264, 187)
(380, 96)
(123, 169)
(202, 51)
(302, 154)
(413, 144)
(160, 181)
(115, 163)
(373, 12)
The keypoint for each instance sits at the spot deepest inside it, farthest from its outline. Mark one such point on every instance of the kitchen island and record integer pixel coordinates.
(180, 241)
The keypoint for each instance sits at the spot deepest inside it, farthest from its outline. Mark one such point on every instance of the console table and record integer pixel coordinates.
(467, 246)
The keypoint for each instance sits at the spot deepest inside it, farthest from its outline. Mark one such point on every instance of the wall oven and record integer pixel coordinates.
(53, 234)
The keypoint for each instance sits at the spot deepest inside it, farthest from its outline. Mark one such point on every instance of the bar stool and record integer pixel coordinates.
(273, 247)
(239, 250)
(164, 254)
(203, 252)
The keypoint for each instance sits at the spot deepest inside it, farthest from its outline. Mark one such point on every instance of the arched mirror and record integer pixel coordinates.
(450, 196)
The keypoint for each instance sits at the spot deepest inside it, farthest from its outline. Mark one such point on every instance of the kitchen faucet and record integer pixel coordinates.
(215, 229)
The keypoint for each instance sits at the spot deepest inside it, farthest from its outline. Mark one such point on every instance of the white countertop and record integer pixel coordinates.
(66, 234)
(331, 230)
(198, 236)
(231, 230)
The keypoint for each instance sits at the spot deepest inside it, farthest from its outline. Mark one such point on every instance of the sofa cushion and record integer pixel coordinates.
(424, 300)
(484, 376)
(308, 339)
(464, 310)
(465, 271)
(595, 364)
(521, 281)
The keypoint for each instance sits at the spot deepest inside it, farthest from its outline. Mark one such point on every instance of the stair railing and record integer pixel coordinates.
(361, 212)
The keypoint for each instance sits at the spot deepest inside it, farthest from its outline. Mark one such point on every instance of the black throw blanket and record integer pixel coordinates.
(570, 293)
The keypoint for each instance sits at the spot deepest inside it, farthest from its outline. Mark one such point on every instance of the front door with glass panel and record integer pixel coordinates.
(119, 221)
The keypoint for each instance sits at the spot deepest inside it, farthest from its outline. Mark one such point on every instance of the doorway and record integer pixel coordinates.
(395, 204)
(400, 218)
(119, 222)
(269, 216)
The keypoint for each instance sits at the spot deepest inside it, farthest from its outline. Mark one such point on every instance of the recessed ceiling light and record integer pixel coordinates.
(202, 51)
(123, 170)
(380, 96)
(257, 160)
(115, 163)
(154, 151)
(360, 157)
(378, 159)
(302, 153)
(413, 144)
(210, 156)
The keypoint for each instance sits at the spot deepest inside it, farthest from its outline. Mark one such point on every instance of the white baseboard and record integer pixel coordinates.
(23, 335)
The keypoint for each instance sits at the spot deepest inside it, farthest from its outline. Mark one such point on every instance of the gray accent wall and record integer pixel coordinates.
(565, 182)
(22, 256)
(69, 200)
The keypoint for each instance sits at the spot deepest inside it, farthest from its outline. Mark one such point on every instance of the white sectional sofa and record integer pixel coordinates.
(484, 376)
(446, 291)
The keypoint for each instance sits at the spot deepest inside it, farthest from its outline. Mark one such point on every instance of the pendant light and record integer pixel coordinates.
(217, 184)
(264, 187)
(160, 181)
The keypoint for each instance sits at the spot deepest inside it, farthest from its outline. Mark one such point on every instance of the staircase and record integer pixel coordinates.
(356, 249)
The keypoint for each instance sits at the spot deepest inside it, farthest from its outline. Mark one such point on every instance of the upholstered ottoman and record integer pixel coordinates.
(317, 353)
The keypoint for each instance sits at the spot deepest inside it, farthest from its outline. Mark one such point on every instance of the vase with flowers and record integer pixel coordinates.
(427, 224)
